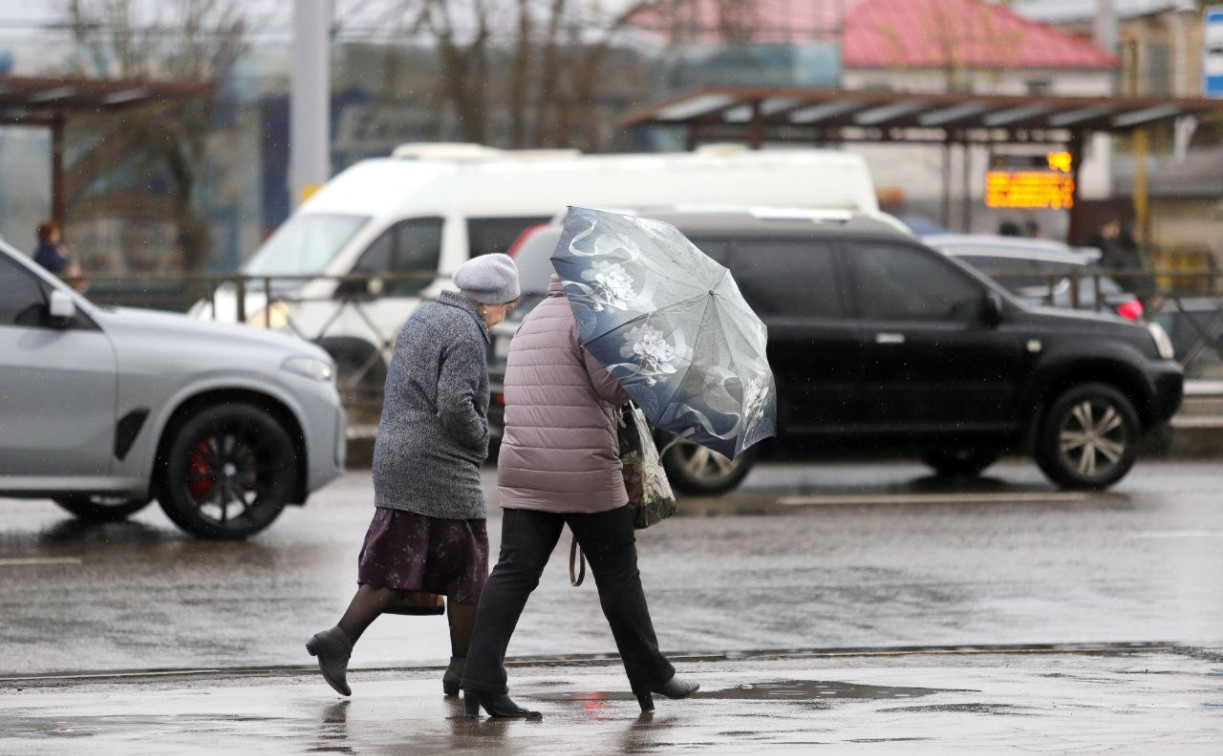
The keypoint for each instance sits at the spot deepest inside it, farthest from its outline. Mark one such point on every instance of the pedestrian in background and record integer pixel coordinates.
(560, 464)
(428, 533)
(51, 253)
(1107, 239)
(1137, 261)
(1009, 228)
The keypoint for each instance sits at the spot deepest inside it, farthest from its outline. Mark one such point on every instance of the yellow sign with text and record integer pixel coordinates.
(1029, 189)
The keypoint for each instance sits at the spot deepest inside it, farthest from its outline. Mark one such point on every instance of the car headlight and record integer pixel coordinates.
(310, 367)
(275, 316)
(1163, 344)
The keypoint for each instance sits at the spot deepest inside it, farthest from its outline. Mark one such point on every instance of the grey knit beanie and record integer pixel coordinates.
(490, 279)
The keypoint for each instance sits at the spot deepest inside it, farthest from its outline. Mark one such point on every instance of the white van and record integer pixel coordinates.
(430, 207)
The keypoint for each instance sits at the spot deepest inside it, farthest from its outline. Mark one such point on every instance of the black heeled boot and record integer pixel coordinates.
(674, 689)
(454, 675)
(498, 705)
(333, 650)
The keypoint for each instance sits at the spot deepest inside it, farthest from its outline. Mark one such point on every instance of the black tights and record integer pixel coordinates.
(371, 602)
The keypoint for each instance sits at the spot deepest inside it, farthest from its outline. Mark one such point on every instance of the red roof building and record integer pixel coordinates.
(962, 33)
(888, 33)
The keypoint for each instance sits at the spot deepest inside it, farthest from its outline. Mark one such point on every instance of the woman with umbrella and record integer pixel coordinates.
(559, 462)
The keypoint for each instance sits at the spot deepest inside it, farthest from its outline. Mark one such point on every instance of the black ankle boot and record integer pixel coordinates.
(497, 705)
(674, 689)
(454, 675)
(333, 650)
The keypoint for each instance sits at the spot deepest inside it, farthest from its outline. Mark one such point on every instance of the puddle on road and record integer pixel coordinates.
(968, 708)
(774, 690)
(809, 690)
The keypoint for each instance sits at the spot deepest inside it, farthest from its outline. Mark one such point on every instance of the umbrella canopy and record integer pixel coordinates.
(671, 326)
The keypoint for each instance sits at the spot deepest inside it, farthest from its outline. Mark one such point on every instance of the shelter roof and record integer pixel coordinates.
(33, 99)
(746, 114)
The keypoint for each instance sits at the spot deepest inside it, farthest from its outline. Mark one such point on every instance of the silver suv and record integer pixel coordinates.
(105, 409)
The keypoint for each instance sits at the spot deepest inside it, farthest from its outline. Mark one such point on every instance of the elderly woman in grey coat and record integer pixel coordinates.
(428, 533)
(560, 465)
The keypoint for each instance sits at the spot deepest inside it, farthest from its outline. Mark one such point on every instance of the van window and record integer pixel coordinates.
(305, 245)
(793, 278)
(486, 236)
(893, 282)
(411, 246)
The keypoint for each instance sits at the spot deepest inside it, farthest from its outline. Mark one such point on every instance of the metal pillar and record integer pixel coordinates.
(945, 214)
(310, 99)
(1075, 233)
(966, 189)
(757, 136)
(57, 170)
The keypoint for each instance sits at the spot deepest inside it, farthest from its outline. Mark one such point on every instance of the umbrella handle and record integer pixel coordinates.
(679, 437)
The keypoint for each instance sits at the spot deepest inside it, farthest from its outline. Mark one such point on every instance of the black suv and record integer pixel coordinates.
(878, 341)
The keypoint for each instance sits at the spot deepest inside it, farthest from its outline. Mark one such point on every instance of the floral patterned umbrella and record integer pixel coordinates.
(670, 325)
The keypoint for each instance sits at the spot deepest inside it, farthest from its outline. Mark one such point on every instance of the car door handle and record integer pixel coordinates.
(889, 338)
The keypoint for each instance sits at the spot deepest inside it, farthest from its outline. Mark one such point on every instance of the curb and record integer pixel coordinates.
(144, 676)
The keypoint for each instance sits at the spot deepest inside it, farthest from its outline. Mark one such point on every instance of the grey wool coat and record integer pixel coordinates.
(433, 435)
(560, 453)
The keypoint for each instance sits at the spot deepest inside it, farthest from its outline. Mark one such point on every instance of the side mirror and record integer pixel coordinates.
(61, 308)
(992, 309)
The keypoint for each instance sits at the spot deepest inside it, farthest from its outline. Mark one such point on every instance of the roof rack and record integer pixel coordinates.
(471, 152)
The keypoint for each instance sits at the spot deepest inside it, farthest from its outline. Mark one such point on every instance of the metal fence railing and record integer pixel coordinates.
(345, 312)
(355, 317)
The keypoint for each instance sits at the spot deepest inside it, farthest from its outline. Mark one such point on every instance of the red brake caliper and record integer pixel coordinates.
(198, 469)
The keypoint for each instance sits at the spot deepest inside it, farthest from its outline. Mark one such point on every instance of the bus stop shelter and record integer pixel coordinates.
(755, 116)
(51, 102)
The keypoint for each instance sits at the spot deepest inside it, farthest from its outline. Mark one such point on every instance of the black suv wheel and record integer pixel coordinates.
(693, 469)
(230, 470)
(1088, 438)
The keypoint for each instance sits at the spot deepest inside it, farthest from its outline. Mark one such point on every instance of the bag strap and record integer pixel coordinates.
(577, 564)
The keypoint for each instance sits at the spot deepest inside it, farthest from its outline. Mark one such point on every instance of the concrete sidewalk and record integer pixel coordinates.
(1118, 698)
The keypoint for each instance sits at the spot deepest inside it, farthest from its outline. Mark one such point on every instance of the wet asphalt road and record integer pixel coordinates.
(1143, 703)
(804, 556)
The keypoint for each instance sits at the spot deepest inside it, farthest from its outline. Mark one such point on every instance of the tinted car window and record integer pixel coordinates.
(718, 249)
(892, 282)
(489, 235)
(21, 295)
(787, 277)
(411, 246)
(1012, 273)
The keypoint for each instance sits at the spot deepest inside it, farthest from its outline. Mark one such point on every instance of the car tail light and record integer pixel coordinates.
(499, 399)
(526, 233)
(1131, 310)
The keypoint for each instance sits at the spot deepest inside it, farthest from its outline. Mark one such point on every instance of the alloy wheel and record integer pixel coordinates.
(227, 469)
(1092, 438)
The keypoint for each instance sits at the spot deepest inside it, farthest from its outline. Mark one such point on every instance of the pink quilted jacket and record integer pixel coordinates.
(559, 452)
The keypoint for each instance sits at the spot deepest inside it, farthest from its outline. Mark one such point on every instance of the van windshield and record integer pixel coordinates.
(305, 244)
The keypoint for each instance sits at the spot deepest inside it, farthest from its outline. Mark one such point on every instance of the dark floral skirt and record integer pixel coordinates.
(413, 552)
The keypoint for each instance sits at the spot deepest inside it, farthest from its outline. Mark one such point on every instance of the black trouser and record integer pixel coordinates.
(527, 540)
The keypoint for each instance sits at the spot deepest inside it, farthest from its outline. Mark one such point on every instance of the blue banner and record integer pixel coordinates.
(1212, 51)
